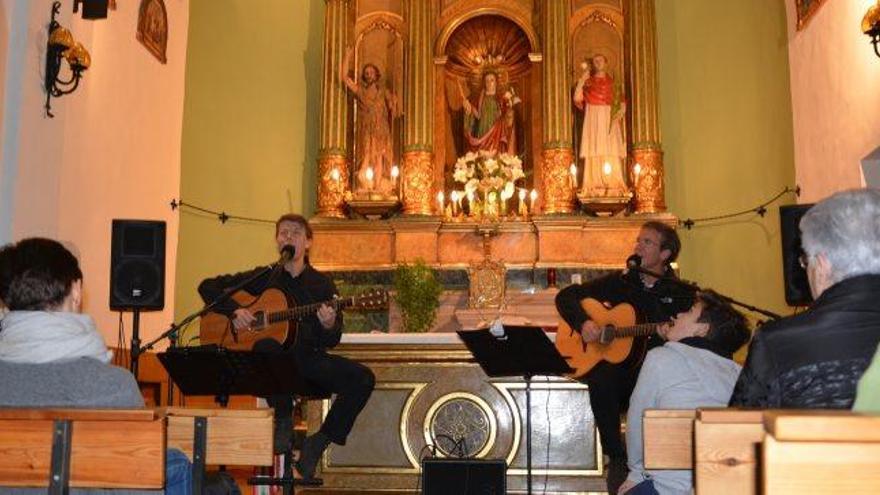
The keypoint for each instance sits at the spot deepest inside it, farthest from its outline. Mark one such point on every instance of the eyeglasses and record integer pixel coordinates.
(804, 260)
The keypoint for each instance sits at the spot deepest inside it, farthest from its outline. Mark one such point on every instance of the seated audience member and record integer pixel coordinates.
(868, 395)
(693, 369)
(51, 355)
(815, 359)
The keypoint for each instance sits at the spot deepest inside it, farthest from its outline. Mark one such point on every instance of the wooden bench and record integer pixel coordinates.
(726, 443)
(82, 448)
(668, 438)
(808, 452)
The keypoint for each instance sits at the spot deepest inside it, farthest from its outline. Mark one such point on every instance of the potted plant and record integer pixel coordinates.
(417, 292)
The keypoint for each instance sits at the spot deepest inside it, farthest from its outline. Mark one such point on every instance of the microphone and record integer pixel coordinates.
(633, 262)
(287, 254)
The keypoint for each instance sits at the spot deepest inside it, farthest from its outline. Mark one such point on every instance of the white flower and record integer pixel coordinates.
(460, 174)
(507, 192)
(491, 165)
(516, 173)
(470, 156)
(471, 186)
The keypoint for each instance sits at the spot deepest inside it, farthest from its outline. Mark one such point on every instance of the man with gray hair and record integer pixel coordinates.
(815, 359)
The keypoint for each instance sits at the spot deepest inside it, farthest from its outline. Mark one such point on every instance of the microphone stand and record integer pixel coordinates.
(693, 286)
(171, 333)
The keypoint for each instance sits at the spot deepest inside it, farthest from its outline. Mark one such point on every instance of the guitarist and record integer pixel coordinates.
(351, 382)
(654, 300)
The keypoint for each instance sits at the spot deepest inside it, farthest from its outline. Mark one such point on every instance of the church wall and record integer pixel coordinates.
(251, 119)
(112, 150)
(834, 74)
(727, 136)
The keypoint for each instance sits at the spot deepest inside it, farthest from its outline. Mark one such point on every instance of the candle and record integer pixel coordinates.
(470, 197)
(440, 201)
(533, 196)
(369, 174)
(395, 173)
(606, 169)
(454, 197)
(637, 169)
(574, 174)
(522, 202)
(334, 174)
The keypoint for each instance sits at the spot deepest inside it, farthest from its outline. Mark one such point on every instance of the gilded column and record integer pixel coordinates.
(333, 153)
(418, 142)
(558, 153)
(644, 109)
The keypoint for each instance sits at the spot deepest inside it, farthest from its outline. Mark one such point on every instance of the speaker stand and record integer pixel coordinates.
(135, 341)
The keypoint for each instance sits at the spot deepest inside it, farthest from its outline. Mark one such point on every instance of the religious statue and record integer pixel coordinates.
(489, 118)
(377, 107)
(603, 148)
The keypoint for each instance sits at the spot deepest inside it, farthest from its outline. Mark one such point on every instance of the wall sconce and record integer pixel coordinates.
(871, 26)
(62, 45)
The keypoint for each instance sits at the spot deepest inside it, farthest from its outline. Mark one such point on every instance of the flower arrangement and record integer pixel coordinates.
(489, 180)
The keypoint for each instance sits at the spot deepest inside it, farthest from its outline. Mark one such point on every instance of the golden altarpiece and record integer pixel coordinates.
(483, 135)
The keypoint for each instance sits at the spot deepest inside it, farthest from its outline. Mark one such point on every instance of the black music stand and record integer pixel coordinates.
(520, 351)
(217, 371)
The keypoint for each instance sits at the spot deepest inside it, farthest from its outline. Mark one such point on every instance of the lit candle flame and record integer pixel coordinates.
(395, 171)
(637, 169)
(334, 174)
(606, 169)
(522, 194)
(573, 169)
(369, 173)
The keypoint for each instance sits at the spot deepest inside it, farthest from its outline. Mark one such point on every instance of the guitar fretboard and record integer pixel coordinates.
(636, 330)
(307, 309)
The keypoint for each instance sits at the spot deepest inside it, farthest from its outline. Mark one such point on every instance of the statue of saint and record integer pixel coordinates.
(489, 119)
(377, 107)
(602, 145)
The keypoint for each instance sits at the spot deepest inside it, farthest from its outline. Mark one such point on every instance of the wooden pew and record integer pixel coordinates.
(84, 448)
(726, 445)
(668, 438)
(808, 452)
(234, 436)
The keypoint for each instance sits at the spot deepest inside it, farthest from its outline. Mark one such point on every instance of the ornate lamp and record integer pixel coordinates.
(61, 45)
(871, 26)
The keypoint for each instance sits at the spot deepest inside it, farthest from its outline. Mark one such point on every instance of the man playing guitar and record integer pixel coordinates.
(655, 300)
(350, 381)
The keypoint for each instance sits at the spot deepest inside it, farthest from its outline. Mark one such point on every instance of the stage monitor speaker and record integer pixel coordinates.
(464, 476)
(797, 288)
(137, 265)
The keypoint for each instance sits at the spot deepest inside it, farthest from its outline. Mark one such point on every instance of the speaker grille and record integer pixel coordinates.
(464, 476)
(137, 265)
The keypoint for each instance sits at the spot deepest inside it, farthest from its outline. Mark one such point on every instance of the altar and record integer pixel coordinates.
(429, 389)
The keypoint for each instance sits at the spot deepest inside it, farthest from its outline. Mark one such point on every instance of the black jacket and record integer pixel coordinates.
(814, 359)
(652, 304)
(308, 287)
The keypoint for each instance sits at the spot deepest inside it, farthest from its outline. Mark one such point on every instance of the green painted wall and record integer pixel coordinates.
(726, 126)
(250, 120)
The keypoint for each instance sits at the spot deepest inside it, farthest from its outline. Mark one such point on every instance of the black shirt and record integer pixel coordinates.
(309, 287)
(654, 304)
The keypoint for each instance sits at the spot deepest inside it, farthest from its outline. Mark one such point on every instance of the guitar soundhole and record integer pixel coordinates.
(260, 320)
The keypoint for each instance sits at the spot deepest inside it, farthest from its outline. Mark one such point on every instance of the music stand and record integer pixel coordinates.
(217, 371)
(520, 351)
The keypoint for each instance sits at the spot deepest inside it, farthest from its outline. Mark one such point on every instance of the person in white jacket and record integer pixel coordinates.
(695, 368)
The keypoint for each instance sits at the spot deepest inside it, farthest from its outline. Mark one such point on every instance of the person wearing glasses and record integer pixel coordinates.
(815, 359)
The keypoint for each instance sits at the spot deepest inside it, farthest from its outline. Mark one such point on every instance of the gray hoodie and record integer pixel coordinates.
(675, 376)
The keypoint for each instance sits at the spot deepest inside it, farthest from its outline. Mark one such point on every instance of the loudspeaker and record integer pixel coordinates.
(137, 265)
(464, 476)
(797, 288)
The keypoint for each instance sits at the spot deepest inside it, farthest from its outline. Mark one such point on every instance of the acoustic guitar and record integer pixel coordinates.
(275, 317)
(615, 343)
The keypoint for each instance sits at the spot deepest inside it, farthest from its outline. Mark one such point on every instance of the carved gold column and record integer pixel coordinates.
(332, 153)
(558, 154)
(644, 107)
(418, 142)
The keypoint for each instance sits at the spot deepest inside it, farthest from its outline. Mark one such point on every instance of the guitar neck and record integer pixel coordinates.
(308, 309)
(636, 330)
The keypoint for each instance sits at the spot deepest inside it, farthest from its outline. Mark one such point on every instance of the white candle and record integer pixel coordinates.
(369, 174)
(334, 174)
(574, 174)
(522, 199)
(440, 197)
(606, 169)
(454, 197)
(533, 196)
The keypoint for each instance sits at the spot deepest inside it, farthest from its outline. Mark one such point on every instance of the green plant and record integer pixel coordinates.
(417, 292)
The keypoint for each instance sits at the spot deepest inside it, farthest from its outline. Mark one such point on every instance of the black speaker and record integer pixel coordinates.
(464, 476)
(797, 288)
(137, 265)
